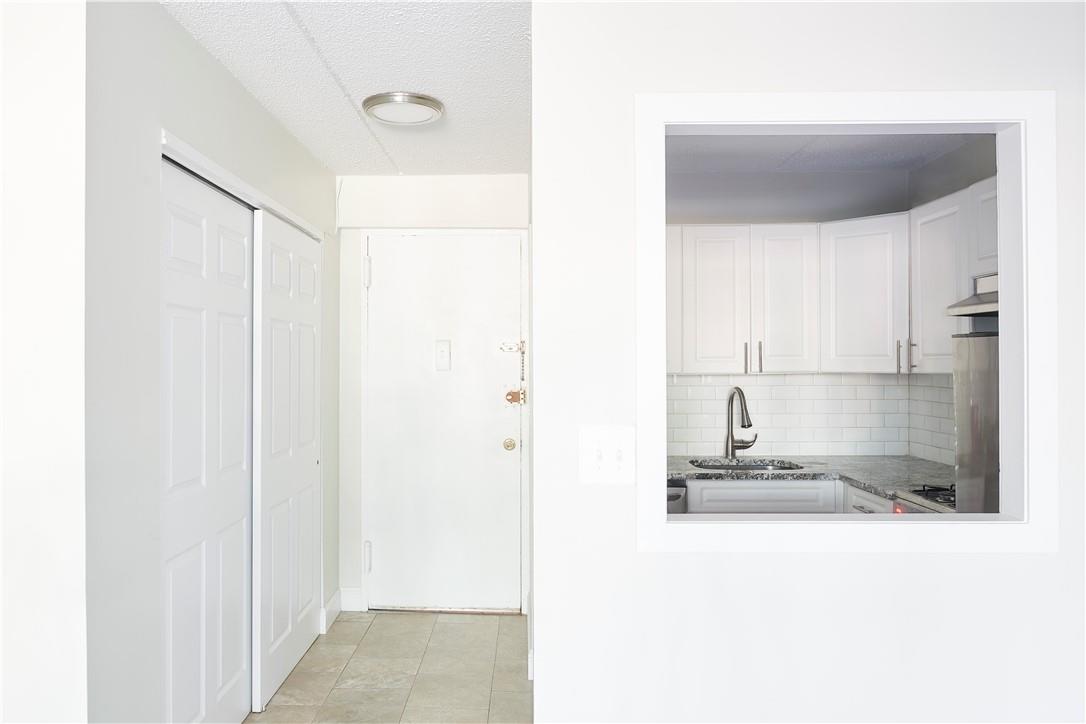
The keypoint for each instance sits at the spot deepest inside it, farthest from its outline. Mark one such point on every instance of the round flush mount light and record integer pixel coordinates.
(403, 109)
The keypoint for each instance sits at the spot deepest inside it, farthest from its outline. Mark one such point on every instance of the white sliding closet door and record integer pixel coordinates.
(206, 424)
(286, 497)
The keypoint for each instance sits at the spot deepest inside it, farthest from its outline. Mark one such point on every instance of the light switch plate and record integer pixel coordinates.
(606, 455)
(443, 355)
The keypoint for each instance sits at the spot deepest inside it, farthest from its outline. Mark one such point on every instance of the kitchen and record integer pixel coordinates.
(832, 323)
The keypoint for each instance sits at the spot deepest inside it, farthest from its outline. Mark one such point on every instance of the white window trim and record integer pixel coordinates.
(1026, 151)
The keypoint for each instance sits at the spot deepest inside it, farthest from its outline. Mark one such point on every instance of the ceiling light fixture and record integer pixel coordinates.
(403, 109)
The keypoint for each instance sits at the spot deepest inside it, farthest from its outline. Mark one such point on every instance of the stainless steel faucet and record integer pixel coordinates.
(730, 443)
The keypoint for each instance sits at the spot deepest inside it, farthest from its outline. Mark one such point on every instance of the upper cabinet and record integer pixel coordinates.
(982, 255)
(865, 299)
(716, 299)
(784, 297)
(939, 232)
(859, 295)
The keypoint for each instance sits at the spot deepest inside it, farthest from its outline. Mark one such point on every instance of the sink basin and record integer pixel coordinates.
(743, 464)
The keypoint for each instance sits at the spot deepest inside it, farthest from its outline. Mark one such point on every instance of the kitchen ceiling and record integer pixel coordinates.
(806, 154)
(312, 63)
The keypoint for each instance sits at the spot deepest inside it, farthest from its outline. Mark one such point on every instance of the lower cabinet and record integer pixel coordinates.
(861, 501)
(776, 496)
(761, 496)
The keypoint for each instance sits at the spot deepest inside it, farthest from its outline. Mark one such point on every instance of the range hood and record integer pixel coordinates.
(983, 303)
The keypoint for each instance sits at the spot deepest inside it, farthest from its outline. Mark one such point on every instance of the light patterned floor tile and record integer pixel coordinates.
(363, 673)
(363, 705)
(510, 707)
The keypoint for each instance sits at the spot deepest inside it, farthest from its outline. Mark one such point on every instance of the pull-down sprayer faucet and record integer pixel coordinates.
(730, 443)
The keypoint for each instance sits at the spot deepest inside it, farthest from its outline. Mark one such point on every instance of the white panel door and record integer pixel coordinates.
(864, 276)
(442, 445)
(286, 495)
(206, 427)
(784, 297)
(716, 299)
(938, 244)
(674, 301)
(983, 256)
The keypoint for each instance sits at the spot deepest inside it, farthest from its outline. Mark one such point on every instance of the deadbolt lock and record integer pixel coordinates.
(509, 443)
(516, 397)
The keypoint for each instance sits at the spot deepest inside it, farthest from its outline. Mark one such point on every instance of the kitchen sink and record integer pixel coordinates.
(743, 464)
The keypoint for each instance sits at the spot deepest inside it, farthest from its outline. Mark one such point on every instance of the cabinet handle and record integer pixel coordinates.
(746, 358)
(909, 356)
(899, 356)
(862, 509)
(760, 357)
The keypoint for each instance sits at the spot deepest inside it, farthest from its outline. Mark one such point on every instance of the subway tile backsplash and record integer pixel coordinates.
(931, 417)
(823, 414)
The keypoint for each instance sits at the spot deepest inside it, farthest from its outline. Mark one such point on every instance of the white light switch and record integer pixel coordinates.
(606, 455)
(443, 355)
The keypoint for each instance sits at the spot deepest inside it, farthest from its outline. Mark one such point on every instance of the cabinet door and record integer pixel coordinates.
(784, 297)
(864, 301)
(939, 231)
(716, 299)
(674, 298)
(983, 256)
(861, 501)
(761, 496)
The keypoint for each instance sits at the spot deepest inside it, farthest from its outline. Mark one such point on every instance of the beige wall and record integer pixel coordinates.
(145, 73)
(497, 201)
(626, 635)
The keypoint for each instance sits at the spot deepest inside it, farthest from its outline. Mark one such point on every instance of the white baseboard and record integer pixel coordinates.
(329, 611)
(352, 600)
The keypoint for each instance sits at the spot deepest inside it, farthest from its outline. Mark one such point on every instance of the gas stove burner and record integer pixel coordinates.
(936, 493)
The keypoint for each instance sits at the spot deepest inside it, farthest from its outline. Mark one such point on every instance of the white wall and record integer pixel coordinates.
(771, 636)
(498, 201)
(43, 630)
(145, 73)
(406, 202)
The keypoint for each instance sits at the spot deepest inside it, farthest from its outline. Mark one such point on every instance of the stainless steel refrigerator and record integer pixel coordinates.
(976, 418)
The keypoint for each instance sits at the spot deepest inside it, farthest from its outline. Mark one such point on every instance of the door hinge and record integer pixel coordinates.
(517, 397)
(367, 271)
(512, 346)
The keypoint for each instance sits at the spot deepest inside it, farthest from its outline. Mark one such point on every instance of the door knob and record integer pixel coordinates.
(509, 443)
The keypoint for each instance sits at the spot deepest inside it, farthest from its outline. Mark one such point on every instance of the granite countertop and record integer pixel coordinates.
(881, 475)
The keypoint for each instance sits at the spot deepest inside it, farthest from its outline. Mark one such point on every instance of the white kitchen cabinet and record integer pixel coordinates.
(939, 237)
(715, 299)
(861, 501)
(864, 301)
(674, 284)
(784, 297)
(761, 496)
(982, 255)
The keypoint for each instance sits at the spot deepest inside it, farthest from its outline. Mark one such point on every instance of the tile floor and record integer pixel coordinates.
(410, 667)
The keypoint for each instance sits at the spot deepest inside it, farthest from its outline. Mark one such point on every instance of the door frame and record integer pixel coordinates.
(525, 409)
(205, 168)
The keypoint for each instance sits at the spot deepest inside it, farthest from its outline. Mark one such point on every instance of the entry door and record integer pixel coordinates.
(206, 478)
(286, 497)
(442, 443)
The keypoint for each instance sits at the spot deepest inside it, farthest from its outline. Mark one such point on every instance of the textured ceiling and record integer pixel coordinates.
(806, 154)
(311, 64)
